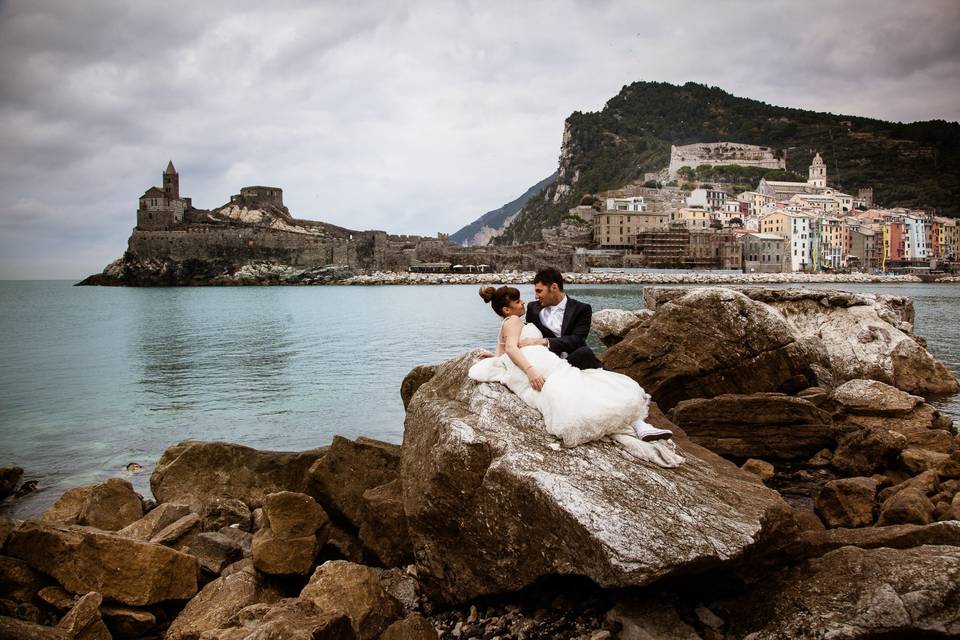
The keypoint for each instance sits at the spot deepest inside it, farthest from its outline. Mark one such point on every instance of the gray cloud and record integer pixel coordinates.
(413, 117)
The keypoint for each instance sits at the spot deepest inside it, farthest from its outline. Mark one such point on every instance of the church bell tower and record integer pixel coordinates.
(171, 182)
(817, 176)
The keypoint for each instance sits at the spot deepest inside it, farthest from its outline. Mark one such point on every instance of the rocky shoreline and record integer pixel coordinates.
(160, 273)
(820, 498)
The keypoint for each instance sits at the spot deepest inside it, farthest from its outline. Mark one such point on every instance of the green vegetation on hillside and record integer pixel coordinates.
(913, 165)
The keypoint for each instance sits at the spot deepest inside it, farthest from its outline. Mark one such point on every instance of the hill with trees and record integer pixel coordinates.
(914, 165)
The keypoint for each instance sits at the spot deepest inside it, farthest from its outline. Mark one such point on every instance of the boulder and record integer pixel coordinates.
(18, 580)
(653, 619)
(868, 451)
(857, 593)
(761, 425)
(83, 621)
(156, 520)
(355, 591)
(218, 602)
(611, 325)
(83, 560)
(240, 538)
(57, 598)
(847, 502)
(873, 397)
(953, 513)
(493, 502)
(295, 529)
(710, 342)
(224, 512)
(412, 381)
(909, 506)
(338, 479)
(197, 473)
(110, 505)
(949, 468)
(383, 526)
(897, 536)
(9, 478)
(413, 627)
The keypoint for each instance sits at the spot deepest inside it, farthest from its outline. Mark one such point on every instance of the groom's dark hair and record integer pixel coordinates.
(548, 277)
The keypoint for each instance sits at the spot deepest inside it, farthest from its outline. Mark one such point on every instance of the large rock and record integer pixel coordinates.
(355, 591)
(14, 629)
(83, 560)
(493, 503)
(110, 505)
(856, 593)
(338, 479)
(872, 397)
(863, 335)
(295, 529)
(289, 619)
(711, 342)
(218, 602)
(847, 502)
(196, 473)
(414, 627)
(762, 425)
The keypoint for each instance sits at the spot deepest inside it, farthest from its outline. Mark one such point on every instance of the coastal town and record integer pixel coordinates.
(673, 220)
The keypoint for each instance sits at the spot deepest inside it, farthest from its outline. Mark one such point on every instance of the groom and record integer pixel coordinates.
(563, 321)
(565, 324)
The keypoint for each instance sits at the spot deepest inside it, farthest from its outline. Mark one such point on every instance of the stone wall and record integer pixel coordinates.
(722, 153)
(248, 244)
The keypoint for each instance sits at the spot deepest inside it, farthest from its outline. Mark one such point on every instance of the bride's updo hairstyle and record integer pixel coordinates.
(499, 297)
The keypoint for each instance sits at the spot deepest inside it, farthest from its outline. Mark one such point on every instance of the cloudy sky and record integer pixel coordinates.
(407, 116)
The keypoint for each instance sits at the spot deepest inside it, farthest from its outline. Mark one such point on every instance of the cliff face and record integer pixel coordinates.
(913, 165)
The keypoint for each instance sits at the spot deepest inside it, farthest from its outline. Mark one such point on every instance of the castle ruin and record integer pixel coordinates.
(723, 153)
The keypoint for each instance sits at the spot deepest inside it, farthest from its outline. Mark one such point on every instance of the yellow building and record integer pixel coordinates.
(619, 229)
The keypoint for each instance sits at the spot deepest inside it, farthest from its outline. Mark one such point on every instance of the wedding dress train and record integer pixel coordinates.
(579, 405)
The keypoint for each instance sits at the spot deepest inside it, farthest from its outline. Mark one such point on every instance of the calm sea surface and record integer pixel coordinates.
(93, 378)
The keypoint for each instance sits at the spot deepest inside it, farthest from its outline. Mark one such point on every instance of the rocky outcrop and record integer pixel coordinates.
(847, 502)
(710, 342)
(109, 505)
(771, 426)
(901, 536)
(866, 336)
(383, 527)
(493, 503)
(83, 621)
(83, 560)
(856, 593)
(196, 473)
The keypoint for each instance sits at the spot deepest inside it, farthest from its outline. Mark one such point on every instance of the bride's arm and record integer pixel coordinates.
(511, 334)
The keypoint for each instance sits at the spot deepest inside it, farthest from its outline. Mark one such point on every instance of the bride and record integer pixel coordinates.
(577, 405)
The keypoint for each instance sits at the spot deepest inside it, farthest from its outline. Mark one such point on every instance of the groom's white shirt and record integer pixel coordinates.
(552, 317)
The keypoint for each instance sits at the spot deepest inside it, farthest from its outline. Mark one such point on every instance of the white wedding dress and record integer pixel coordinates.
(579, 405)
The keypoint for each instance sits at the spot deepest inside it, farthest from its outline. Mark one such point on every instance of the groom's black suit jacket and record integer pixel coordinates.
(573, 330)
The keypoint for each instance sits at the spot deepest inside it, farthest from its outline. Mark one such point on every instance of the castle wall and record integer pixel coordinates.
(244, 244)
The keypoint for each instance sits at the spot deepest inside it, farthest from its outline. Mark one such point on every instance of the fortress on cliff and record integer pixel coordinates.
(723, 153)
